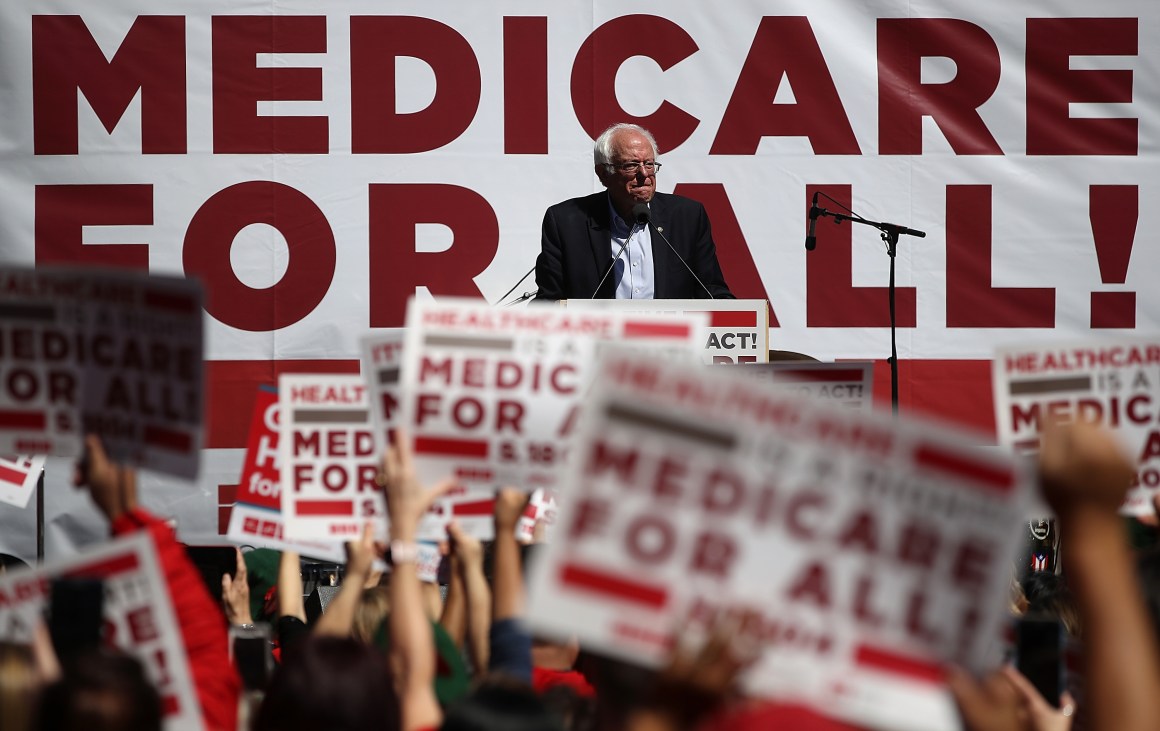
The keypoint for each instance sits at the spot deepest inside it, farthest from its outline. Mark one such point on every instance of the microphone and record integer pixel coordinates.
(685, 263)
(501, 299)
(641, 214)
(811, 239)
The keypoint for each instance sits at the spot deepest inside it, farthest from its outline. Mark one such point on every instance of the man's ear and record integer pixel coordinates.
(602, 174)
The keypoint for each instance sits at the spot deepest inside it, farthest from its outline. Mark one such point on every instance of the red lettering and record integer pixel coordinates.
(860, 533)
(394, 212)
(971, 300)
(903, 100)
(785, 46)
(666, 485)
(62, 212)
(1052, 86)
(606, 456)
(239, 85)
(713, 554)
(309, 240)
(377, 127)
(970, 565)
(66, 59)
(590, 517)
(813, 585)
(600, 58)
(795, 510)
(918, 545)
(525, 84)
(650, 539)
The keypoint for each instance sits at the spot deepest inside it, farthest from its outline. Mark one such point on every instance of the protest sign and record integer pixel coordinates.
(115, 353)
(328, 458)
(382, 357)
(848, 384)
(138, 615)
(256, 518)
(738, 330)
(490, 396)
(1110, 381)
(18, 477)
(870, 553)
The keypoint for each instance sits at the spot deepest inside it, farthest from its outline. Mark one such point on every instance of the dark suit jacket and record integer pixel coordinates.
(576, 250)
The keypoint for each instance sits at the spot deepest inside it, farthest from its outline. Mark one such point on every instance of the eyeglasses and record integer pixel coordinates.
(631, 168)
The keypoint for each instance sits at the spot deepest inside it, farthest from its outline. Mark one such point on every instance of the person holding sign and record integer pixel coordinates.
(629, 242)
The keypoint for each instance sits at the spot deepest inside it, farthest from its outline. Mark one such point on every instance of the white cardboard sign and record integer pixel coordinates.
(139, 616)
(872, 553)
(382, 359)
(18, 476)
(328, 458)
(1111, 381)
(491, 396)
(117, 353)
(256, 518)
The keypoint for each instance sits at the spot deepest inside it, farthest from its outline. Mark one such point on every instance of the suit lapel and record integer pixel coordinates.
(600, 239)
(662, 257)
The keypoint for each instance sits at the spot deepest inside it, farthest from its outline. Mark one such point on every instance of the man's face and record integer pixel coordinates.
(628, 189)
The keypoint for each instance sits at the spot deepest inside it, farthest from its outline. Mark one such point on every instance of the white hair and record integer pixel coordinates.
(602, 149)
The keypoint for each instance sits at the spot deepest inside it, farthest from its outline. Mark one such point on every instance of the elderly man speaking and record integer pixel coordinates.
(629, 242)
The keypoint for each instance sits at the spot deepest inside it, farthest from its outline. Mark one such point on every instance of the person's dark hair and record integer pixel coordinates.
(576, 712)
(331, 683)
(501, 704)
(1048, 596)
(101, 690)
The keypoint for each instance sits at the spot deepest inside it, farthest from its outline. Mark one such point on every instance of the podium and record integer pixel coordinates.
(738, 330)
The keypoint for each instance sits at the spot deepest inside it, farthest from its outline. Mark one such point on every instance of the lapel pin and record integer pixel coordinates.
(661, 229)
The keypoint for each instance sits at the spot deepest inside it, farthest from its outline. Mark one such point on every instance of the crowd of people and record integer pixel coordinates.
(393, 652)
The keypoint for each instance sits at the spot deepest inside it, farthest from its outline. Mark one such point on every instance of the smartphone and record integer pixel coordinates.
(76, 613)
(1039, 655)
(251, 650)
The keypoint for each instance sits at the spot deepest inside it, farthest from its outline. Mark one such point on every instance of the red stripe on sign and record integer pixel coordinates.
(944, 460)
(179, 303)
(818, 374)
(16, 477)
(345, 508)
(35, 420)
(169, 705)
(171, 439)
(614, 587)
(731, 318)
(877, 658)
(479, 507)
(108, 567)
(448, 446)
(232, 385)
(655, 330)
(227, 494)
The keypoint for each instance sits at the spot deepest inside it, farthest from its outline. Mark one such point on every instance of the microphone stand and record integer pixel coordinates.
(890, 234)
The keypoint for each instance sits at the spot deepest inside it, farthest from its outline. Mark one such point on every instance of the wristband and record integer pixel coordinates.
(404, 552)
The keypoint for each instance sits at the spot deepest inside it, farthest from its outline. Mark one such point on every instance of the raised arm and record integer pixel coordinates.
(412, 643)
(338, 619)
